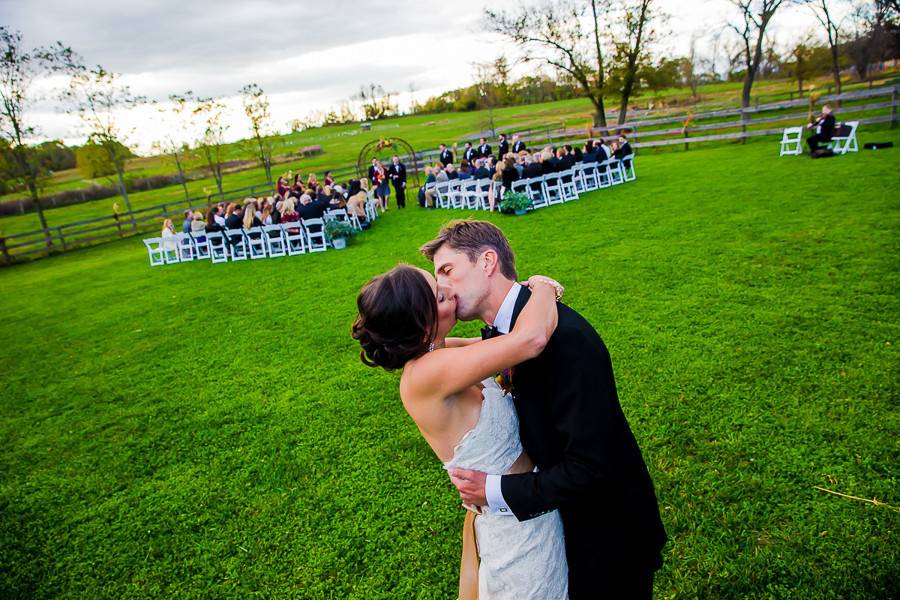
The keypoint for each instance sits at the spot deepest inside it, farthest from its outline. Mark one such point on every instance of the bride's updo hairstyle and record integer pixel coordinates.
(397, 318)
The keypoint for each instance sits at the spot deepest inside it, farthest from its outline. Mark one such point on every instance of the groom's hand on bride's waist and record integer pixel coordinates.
(470, 485)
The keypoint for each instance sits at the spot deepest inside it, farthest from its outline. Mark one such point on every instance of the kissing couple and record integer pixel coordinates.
(526, 420)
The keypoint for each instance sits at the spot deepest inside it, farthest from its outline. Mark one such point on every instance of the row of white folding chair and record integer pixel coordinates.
(308, 235)
(343, 215)
(564, 186)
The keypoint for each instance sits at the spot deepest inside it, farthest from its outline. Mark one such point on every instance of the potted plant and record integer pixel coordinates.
(515, 202)
(337, 233)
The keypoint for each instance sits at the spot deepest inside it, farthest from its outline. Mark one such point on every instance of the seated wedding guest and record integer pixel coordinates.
(328, 179)
(311, 181)
(517, 144)
(250, 219)
(197, 223)
(297, 186)
(440, 176)
(188, 218)
(309, 209)
(353, 188)
(234, 216)
(451, 172)
(276, 213)
(169, 239)
(603, 150)
(577, 155)
(266, 217)
(508, 173)
(429, 184)
(469, 153)
(568, 157)
(465, 171)
(502, 146)
(590, 152)
(446, 155)
(588, 146)
(520, 162)
(212, 223)
(290, 215)
(218, 214)
(481, 171)
(548, 161)
(356, 204)
(495, 192)
(484, 149)
(323, 195)
(282, 186)
(532, 167)
(624, 148)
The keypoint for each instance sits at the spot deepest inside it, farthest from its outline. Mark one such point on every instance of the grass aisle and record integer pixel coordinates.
(207, 430)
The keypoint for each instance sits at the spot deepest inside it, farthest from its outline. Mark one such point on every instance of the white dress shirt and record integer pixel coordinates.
(496, 503)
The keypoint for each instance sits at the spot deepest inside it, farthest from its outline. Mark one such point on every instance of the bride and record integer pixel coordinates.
(449, 390)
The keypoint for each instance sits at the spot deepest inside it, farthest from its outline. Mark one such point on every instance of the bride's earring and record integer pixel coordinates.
(431, 347)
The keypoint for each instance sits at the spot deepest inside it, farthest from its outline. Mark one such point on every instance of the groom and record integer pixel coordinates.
(588, 463)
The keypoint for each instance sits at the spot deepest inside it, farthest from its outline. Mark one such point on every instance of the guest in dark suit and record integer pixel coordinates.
(481, 172)
(503, 146)
(571, 424)
(235, 221)
(825, 123)
(446, 156)
(484, 149)
(532, 169)
(397, 175)
(517, 144)
(624, 148)
(310, 210)
(470, 154)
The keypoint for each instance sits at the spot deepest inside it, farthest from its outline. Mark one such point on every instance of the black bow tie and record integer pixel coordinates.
(489, 331)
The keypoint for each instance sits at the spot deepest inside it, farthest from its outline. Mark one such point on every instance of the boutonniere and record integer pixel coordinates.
(505, 380)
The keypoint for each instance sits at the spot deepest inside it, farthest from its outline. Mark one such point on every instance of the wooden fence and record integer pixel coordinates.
(644, 133)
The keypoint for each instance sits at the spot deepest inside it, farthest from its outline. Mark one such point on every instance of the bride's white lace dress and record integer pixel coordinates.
(519, 560)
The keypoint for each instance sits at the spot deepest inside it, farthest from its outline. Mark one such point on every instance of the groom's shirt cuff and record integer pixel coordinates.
(496, 504)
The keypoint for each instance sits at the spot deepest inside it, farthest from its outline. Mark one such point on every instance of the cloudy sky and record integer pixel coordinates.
(307, 55)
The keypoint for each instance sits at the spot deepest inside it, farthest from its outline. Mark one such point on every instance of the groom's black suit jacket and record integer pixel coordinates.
(589, 464)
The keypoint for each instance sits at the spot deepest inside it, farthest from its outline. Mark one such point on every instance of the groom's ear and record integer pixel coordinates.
(489, 262)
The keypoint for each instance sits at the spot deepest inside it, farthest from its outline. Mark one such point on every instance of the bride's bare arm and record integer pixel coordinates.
(455, 342)
(449, 370)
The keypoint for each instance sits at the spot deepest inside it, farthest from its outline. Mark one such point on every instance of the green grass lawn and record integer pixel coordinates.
(204, 430)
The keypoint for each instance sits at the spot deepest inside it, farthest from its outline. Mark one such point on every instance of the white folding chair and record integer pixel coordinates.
(201, 245)
(552, 189)
(454, 194)
(842, 144)
(578, 178)
(613, 171)
(218, 247)
(627, 167)
(371, 211)
(315, 234)
(567, 185)
(336, 214)
(483, 188)
(589, 176)
(442, 193)
(256, 242)
(294, 238)
(156, 251)
(791, 138)
(237, 242)
(185, 247)
(536, 192)
(274, 238)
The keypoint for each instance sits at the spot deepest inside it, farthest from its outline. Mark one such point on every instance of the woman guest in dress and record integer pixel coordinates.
(170, 240)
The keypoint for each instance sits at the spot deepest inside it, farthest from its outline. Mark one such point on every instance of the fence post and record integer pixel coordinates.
(634, 134)
(893, 107)
(62, 240)
(686, 145)
(745, 117)
(6, 258)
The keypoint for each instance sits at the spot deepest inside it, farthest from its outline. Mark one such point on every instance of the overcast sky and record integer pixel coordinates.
(307, 55)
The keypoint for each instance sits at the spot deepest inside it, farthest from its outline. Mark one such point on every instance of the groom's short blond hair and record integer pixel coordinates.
(473, 238)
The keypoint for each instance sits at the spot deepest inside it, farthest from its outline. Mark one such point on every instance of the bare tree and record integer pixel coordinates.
(173, 145)
(824, 10)
(554, 33)
(256, 107)
(631, 52)
(212, 116)
(18, 70)
(755, 18)
(802, 67)
(95, 96)
(376, 103)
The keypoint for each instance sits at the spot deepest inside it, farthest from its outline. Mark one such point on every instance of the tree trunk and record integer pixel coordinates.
(627, 86)
(748, 86)
(32, 189)
(599, 115)
(181, 175)
(836, 71)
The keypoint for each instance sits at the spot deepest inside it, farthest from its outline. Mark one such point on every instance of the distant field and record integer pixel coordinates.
(342, 144)
(206, 430)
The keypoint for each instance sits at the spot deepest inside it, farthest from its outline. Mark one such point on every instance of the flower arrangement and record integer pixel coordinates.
(337, 229)
(515, 202)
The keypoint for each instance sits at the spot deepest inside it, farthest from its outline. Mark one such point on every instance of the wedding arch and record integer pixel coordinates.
(383, 149)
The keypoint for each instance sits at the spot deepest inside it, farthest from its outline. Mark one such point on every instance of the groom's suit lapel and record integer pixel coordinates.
(521, 300)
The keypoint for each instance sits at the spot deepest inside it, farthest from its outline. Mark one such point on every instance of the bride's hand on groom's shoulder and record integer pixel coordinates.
(535, 280)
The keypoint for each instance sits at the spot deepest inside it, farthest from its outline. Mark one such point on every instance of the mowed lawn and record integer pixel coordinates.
(206, 430)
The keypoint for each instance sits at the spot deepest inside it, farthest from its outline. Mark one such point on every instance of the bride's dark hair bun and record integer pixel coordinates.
(397, 318)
